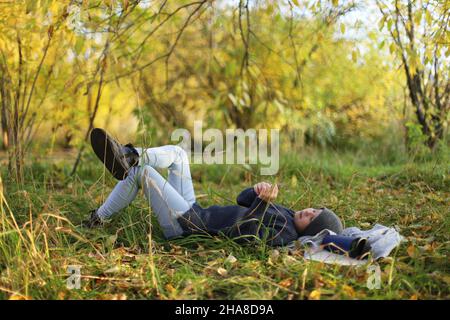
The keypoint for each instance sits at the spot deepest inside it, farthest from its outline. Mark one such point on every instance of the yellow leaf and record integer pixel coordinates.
(411, 251)
(31, 6)
(381, 23)
(274, 255)
(170, 288)
(335, 2)
(286, 283)
(319, 36)
(418, 17)
(348, 290)
(392, 47)
(428, 17)
(365, 224)
(314, 295)
(115, 269)
(110, 296)
(294, 181)
(354, 56)
(231, 259)
(223, 272)
(15, 296)
(342, 28)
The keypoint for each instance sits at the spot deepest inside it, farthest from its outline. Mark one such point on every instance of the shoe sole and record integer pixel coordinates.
(103, 147)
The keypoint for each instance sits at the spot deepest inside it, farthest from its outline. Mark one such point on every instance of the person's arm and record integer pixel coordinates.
(266, 193)
(246, 197)
(277, 232)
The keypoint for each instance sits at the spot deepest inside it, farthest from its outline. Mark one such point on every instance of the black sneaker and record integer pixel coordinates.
(365, 251)
(117, 158)
(360, 249)
(93, 221)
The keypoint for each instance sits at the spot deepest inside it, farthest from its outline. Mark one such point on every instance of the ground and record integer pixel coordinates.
(129, 258)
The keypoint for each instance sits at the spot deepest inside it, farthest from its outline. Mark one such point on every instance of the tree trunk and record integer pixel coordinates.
(4, 123)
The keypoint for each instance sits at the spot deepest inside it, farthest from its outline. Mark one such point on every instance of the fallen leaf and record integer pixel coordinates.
(274, 255)
(314, 295)
(171, 272)
(61, 295)
(170, 288)
(109, 296)
(231, 259)
(286, 283)
(289, 260)
(411, 251)
(18, 297)
(114, 269)
(348, 290)
(223, 272)
(365, 224)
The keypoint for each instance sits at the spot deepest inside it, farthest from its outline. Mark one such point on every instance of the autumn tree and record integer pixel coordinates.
(420, 35)
(28, 56)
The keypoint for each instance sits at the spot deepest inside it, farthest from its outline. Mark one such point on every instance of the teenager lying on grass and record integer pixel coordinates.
(174, 204)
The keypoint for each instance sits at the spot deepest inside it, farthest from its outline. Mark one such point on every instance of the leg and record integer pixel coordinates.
(165, 201)
(122, 195)
(176, 160)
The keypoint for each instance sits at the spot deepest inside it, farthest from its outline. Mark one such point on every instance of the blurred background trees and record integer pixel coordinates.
(334, 74)
(420, 38)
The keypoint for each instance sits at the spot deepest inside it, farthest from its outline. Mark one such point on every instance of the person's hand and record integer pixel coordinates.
(266, 191)
(261, 186)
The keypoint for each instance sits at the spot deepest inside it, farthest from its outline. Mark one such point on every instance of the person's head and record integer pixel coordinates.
(310, 221)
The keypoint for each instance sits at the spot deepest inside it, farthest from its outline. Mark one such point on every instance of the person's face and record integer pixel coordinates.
(303, 218)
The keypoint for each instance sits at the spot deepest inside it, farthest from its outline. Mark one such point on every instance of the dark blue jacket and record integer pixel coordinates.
(251, 218)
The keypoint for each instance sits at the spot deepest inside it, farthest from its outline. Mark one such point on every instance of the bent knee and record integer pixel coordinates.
(138, 174)
(179, 149)
(180, 152)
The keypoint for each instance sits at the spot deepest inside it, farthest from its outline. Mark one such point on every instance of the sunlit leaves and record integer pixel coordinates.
(382, 22)
(355, 55)
(428, 17)
(418, 17)
(392, 47)
(79, 44)
(30, 6)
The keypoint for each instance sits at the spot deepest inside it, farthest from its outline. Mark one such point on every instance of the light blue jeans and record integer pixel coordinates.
(169, 199)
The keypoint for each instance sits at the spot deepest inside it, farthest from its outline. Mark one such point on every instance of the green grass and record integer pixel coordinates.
(40, 235)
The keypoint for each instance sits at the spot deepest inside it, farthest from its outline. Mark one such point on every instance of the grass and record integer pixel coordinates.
(129, 259)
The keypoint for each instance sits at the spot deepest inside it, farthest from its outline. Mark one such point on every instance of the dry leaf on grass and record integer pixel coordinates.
(411, 251)
(286, 283)
(18, 297)
(231, 259)
(170, 288)
(223, 272)
(110, 296)
(348, 290)
(115, 269)
(314, 295)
